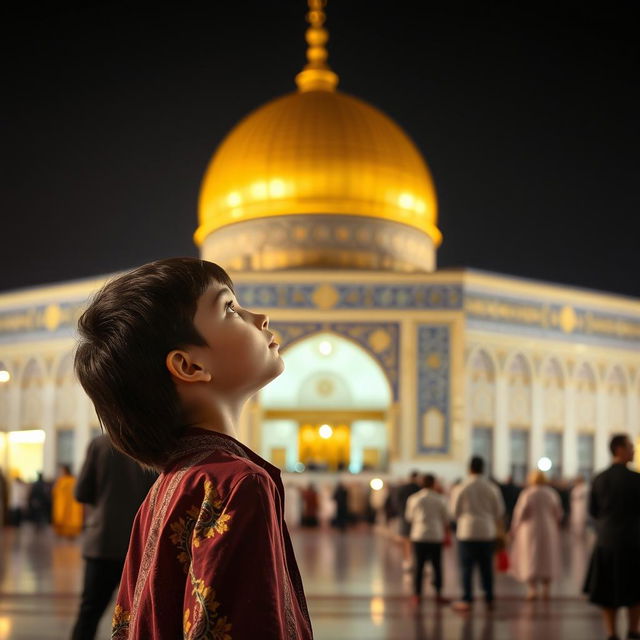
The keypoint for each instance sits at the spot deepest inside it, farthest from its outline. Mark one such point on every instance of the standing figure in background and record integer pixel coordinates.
(310, 506)
(477, 507)
(342, 511)
(113, 486)
(510, 492)
(40, 502)
(578, 511)
(402, 495)
(18, 501)
(535, 554)
(614, 502)
(427, 513)
(4, 490)
(67, 513)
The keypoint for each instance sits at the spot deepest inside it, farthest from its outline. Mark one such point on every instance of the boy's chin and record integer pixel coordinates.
(273, 373)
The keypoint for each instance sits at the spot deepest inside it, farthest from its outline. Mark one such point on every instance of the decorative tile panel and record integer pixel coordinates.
(433, 431)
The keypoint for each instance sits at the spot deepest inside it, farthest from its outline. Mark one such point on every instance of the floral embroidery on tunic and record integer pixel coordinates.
(204, 622)
(120, 623)
(199, 524)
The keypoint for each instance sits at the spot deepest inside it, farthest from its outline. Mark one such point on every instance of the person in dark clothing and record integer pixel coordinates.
(510, 492)
(402, 495)
(342, 511)
(40, 502)
(614, 503)
(114, 486)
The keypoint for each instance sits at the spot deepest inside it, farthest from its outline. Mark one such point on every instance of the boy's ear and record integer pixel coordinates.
(182, 367)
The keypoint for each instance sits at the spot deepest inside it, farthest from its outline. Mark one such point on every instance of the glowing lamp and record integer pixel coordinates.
(325, 431)
(5, 376)
(325, 348)
(376, 484)
(544, 464)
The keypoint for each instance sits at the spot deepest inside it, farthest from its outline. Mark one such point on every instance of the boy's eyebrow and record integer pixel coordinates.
(221, 292)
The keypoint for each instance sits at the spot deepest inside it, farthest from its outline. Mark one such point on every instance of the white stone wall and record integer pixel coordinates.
(544, 388)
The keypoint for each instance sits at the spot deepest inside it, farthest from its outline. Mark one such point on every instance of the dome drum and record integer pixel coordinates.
(320, 241)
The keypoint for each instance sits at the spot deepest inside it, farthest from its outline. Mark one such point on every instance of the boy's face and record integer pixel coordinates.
(240, 353)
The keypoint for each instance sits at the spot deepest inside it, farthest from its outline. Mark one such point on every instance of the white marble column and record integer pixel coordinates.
(501, 440)
(536, 442)
(82, 432)
(601, 440)
(570, 438)
(48, 425)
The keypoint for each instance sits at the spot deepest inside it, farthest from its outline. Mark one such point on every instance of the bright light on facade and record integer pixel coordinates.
(325, 348)
(234, 199)
(544, 464)
(5, 376)
(376, 484)
(325, 431)
(32, 436)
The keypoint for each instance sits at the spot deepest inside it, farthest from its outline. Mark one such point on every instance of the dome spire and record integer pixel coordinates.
(316, 75)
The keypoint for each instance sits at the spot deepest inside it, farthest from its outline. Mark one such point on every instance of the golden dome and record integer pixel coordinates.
(317, 152)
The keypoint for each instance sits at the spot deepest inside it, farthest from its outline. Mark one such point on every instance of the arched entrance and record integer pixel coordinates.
(329, 410)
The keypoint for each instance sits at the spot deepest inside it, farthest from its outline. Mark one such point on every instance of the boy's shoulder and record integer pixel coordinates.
(220, 468)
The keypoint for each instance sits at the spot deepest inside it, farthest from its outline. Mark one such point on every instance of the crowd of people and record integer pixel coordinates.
(42, 502)
(511, 527)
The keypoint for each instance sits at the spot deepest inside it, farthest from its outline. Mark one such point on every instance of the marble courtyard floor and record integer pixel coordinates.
(355, 586)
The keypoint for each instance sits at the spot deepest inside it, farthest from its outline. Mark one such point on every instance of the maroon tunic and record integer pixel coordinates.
(210, 556)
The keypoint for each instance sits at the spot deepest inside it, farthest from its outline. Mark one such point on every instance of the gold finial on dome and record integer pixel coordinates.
(316, 75)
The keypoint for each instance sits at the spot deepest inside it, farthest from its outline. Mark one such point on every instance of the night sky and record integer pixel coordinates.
(527, 116)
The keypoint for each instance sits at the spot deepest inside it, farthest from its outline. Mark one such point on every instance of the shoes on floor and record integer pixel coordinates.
(461, 606)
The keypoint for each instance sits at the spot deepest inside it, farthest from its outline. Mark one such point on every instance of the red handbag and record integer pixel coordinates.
(502, 561)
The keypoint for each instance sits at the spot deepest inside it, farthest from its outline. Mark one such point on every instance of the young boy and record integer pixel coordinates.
(169, 358)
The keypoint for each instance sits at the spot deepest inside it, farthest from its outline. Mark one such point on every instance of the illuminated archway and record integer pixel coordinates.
(329, 409)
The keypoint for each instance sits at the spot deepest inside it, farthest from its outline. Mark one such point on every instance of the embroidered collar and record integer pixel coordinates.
(195, 440)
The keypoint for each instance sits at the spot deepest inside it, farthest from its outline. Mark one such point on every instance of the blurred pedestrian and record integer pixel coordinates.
(427, 514)
(535, 552)
(18, 501)
(614, 502)
(477, 507)
(40, 502)
(578, 512)
(310, 506)
(402, 495)
(113, 486)
(67, 512)
(342, 512)
(4, 496)
(510, 492)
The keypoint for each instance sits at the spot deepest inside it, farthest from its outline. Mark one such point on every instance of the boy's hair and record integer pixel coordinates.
(130, 326)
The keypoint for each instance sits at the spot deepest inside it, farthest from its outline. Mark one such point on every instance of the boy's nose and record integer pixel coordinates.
(263, 321)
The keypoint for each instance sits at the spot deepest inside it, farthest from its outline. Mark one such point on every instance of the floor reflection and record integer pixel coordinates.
(354, 582)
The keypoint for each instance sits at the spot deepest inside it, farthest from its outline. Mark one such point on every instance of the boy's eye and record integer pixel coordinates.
(230, 307)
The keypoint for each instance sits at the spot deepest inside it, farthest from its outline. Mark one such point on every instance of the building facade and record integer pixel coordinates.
(325, 214)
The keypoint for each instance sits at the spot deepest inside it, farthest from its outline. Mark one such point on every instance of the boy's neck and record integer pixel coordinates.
(218, 417)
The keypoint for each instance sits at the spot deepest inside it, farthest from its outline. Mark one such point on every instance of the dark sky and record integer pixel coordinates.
(527, 115)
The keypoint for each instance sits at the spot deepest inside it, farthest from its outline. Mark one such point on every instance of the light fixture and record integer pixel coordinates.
(325, 348)
(31, 436)
(376, 484)
(325, 431)
(5, 376)
(544, 464)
